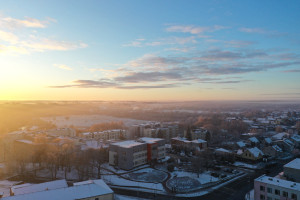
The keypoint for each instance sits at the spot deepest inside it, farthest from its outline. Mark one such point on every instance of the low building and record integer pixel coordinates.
(183, 143)
(292, 170)
(32, 188)
(87, 190)
(273, 151)
(252, 154)
(267, 188)
(127, 154)
(115, 134)
(296, 140)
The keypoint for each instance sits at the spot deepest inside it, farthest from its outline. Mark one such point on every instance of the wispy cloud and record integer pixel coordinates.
(193, 29)
(261, 31)
(64, 67)
(27, 22)
(16, 43)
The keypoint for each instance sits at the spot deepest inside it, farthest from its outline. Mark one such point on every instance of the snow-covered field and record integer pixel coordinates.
(87, 120)
(115, 180)
(147, 175)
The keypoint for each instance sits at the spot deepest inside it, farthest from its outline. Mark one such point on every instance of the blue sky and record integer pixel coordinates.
(150, 50)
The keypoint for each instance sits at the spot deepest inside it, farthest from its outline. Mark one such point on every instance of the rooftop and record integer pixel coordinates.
(78, 191)
(256, 151)
(31, 188)
(127, 144)
(150, 140)
(295, 164)
(279, 182)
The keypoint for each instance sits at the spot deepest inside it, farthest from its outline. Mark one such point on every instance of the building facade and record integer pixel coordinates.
(269, 188)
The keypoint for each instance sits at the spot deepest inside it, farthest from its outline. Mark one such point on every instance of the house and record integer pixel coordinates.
(267, 141)
(273, 151)
(296, 140)
(266, 188)
(254, 141)
(252, 154)
(292, 170)
(86, 190)
(280, 136)
(183, 143)
(241, 144)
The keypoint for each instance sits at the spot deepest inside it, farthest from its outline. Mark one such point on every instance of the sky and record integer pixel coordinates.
(156, 50)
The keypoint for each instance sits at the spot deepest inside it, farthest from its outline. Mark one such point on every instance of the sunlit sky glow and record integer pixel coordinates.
(150, 50)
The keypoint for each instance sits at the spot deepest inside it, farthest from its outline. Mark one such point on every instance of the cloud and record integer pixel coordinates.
(152, 60)
(52, 45)
(192, 29)
(282, 94)
(64, 67)
(138, 77)
(261, 31)
(27, 22)
(108, 84)
(8, 37)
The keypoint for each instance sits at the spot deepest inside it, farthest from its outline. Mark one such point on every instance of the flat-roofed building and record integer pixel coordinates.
(292, 170)
(269, 188)
(155, 148)
(87, 190)
(127, 154)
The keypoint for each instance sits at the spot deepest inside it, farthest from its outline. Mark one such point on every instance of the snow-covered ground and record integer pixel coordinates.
(5, 185)
(88, 120)
(203, 177)
(246, 165)
(147, 175)
(116, 180)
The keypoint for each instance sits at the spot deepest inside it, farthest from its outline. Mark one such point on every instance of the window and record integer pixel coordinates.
(269, 190)
(262, 188)
(262, 197)
(277, 192)
(285, 194)
(294, 196)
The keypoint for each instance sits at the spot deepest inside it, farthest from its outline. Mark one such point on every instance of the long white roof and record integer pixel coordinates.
(279, 182)
(128, 143)
(31, 188)
(81, 191)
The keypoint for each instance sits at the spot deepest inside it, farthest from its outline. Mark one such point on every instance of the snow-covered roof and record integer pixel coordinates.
(31, 188)
(279, 182)
(296, 138)
(149, 140)
(254, 140)
(198, 141)
(80, 191)
(279, 136)
(289, 142)
(128, 144)
(223, 150)
(255, 152)
(239, 152)
(241, 144)
(277, 148)
(268, 140)
(295, 164)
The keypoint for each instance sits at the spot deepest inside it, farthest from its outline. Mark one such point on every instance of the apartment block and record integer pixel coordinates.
(269, 188)
(127, 154)
(155, 148)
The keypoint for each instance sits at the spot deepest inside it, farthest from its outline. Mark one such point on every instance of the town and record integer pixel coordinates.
(205, 158)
